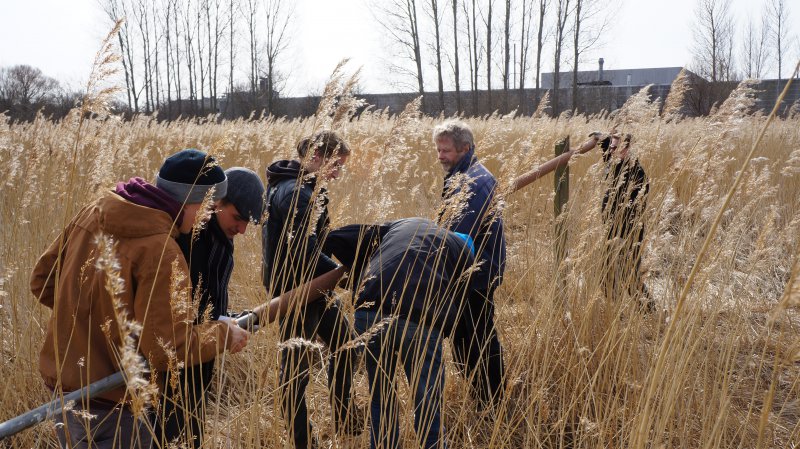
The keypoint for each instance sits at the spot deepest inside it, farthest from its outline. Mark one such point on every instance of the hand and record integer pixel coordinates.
(237, 337)
(594, 138)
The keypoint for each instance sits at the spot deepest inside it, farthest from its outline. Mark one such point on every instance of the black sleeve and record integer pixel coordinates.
(353, 245)
(304, 244)
(640, 185)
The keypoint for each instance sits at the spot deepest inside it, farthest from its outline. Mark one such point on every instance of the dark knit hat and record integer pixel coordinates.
(189, 174)
(245, 192)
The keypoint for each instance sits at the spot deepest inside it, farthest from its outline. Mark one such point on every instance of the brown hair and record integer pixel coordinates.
(325, 143)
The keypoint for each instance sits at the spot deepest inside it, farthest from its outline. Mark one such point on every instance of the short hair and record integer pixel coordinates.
(327, 143)
(456, 130)
(625, 137)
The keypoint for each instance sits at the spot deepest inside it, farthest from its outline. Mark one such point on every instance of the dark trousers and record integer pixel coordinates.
(183, 406)
(477, 350)
(102, 425)
(327, 322)
(418, 349)
(622, 265)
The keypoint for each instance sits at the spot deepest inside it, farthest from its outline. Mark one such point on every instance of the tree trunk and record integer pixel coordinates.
(489, 54)
(576, 53)
(539, 46)
(435, 11)
(507, 56)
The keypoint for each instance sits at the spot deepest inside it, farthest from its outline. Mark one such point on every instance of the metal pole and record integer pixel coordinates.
(112, 382)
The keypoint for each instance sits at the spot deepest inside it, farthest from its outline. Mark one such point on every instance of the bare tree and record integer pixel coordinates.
(474, 51)
(116, 10)
(506, 53)
(213, 37)
(250, 11)
(189, 52)
(279, 17)
(199, 21)
(232, 7)
(142, 18)
(778, 16)
(23, 85)
(540, 45)
(755, 48)
(157, 30)
(399, 19)
(488, 23)
(168, 53)
(524, 46)
(562, 17)
(177, 56)
(713, 35)
(433, 12)
(591, 19)
(457, 75)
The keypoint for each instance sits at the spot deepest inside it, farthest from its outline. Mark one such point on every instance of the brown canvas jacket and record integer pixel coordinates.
(75, 346)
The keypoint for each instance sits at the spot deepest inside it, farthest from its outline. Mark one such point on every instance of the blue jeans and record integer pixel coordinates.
(419, 349)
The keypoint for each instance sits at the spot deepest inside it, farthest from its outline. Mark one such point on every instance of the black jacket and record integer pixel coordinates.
(210, 260)
(297, 221)
(410, 267)
(625, 198)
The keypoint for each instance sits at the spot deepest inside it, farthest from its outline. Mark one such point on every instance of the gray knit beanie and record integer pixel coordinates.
(189, 174)
(245, 192)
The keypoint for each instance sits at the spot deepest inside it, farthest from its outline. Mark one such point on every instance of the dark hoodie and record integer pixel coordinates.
(297, 221)
(411, 268)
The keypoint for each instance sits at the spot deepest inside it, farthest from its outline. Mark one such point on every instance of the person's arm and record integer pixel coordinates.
(162, 303)
(527, 178)
(303, 294)
(43, 277)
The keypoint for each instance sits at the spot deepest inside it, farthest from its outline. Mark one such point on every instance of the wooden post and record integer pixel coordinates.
(561, 186)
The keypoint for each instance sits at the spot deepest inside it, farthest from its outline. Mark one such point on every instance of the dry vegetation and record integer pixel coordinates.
(581, 373)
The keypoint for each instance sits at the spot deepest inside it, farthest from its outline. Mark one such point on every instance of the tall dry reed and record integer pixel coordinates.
(579, 371)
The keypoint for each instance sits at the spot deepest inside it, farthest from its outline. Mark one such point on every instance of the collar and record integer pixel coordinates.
(465, 163)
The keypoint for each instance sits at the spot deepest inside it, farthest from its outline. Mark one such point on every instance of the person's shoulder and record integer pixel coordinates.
(291, 191)
(482, 178)
(478, 169)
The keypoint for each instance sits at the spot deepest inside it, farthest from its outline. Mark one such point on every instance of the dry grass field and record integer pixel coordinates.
(721, 371)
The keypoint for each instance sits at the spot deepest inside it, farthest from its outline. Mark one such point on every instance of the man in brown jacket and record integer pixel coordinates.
(119, 288)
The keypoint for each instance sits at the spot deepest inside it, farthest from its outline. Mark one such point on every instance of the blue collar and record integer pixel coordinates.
(468, 240)
(465, 163)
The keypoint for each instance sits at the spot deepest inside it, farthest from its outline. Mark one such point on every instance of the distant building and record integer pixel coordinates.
(622, 77)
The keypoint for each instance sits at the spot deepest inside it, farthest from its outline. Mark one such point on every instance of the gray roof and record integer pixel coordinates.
(622, 77)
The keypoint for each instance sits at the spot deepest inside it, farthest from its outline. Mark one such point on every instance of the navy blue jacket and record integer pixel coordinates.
(297, 221)
(479, 220)
(411, 268)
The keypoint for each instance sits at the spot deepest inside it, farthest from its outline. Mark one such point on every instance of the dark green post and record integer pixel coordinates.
(561, 185)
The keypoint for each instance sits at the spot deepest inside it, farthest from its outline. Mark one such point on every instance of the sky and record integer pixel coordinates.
(61, 38)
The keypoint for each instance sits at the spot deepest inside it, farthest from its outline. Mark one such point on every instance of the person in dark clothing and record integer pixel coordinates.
(297, 223)
(468, 195)
(412, 277)
(210, 257)
(623, 209)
